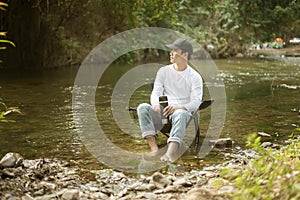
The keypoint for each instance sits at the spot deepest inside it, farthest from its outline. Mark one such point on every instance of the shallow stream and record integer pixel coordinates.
(262, 96)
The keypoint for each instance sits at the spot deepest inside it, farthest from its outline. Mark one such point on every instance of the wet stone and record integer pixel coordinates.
(50, 186)
(70, 195)
(199, 194)
(226, 189)
(182, 182)
(27, 197)
(11, 160)
(222, 143)
(146, 195)
(159, 180)
(170, 189)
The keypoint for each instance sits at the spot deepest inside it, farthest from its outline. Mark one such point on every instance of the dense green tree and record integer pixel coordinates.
(62, 32)
(267, 19)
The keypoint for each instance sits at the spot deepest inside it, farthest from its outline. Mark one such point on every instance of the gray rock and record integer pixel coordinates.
(182, 182)
(29, 163)
(70, 195)
(51, 196)
(27, 197)
(159, 191)
(159, 180)
(99, 195)
(40, 192)
(227, 189)
(151, 187)
(46, 197)
(11, 160)
(144, 187)
(146, 195)
(48, 185)
(123, 193)
(221, 143)
(267, 145)
(9, 172)
(199, 194)
(171, 189)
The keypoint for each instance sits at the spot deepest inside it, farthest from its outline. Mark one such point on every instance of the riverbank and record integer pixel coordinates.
(291, 51)
(267, 171)
(43, 179)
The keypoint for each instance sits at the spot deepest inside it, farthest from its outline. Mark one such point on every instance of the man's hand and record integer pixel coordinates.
(169, 110)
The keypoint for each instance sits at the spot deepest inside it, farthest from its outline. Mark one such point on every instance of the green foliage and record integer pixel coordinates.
(2, 118)
(159, 13)
(73, 28)
(3, 8)
(269, 19)
(7, 41)
(6, 111)
(275, 174)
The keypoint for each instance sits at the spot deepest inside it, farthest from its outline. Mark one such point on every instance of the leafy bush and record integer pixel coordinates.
(275, 174)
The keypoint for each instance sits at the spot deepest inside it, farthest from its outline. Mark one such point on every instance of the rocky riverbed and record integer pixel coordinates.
(44, 179)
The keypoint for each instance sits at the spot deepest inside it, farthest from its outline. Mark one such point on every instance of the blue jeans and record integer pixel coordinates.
(150, 122)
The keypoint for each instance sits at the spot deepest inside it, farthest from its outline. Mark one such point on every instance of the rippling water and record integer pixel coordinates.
(262, 96)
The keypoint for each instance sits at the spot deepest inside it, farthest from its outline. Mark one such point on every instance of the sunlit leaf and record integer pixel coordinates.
(7, 121)
(3, 5)
(9, 42)
(15, 110)
(3, 33)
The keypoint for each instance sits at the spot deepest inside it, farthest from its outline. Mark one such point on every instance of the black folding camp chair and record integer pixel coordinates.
(167, 128)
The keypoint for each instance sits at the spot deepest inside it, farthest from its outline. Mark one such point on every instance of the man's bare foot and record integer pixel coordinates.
(170, 155)
(166, 158)
(153, 155)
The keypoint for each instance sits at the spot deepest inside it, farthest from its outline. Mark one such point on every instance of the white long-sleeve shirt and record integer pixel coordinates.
(184, 88)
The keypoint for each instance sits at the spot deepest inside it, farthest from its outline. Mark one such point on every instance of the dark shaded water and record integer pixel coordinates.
(262, 96)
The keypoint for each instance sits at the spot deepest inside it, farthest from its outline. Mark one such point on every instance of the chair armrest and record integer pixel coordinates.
(205, 104)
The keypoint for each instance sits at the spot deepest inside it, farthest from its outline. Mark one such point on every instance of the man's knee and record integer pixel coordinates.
(142, 108)
(180, 115)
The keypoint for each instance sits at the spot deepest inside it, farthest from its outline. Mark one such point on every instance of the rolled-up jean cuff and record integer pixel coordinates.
(148, 133)
(174, 139)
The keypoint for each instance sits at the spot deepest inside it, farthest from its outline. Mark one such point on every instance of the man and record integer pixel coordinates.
(184, 87)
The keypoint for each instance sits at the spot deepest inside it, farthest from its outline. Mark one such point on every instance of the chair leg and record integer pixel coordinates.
(197, 132)
(197, 139)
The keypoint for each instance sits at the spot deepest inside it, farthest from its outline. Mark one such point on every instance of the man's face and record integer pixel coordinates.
(176, 55)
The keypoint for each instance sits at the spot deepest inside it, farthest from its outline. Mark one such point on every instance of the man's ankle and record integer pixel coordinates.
(152, 143)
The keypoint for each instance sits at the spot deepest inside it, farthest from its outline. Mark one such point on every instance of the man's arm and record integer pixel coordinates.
(196, 94)
(157, 91)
